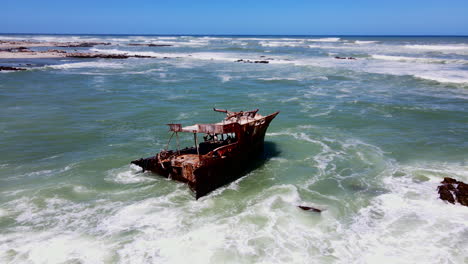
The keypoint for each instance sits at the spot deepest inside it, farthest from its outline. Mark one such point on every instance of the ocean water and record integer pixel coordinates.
(367, 140)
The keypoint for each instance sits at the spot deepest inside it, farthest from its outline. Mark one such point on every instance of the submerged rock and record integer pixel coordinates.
(82, 44)
(97, 55)
(7, 68)
(344, 58)
(19, 49)
(453, 191)
(249, 61)
(150, 45)
(87, 55)
(308, 208)
(55, 50)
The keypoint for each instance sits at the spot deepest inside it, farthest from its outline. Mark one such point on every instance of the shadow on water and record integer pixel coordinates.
(270, 150)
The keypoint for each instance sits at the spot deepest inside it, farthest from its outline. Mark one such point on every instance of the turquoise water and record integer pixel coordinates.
(367, 140)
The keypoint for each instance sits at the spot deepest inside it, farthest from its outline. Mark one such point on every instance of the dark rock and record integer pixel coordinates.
(20, 49)
(56, 51)
(87, 55)
(150, 45)
(82, 44)
(142, 56)
(344, 58)
(97, 55)
(308, 208)
(453, 191)
(159, 45)
(249, 61)
(6, 68)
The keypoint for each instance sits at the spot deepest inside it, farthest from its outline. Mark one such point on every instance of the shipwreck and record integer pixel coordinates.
(227, 152)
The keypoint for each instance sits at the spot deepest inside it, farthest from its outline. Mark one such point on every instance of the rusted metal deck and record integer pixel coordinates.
(227, 152)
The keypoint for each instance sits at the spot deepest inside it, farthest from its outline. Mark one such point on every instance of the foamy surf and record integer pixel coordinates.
(367, 140)
(325, 40)
(409, 224)
(90, 64)
(438, 47)
(364, 42)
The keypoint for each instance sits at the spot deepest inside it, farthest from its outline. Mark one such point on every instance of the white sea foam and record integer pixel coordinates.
(420, 60)
(252, 235)
(50, 247)
(88, 64)
(281, 43)
(366, 42)
(141, 53)
(129, 175)
(440, 73)
(325, 40)
(146, 71)
(403, 225)
(3, 213)
(451, 71)
(218, 56)
(167, 37)
(45, 173)
(225, 78)
(438, 47)
(325, 113)
(279, 79)
(290, 99)
(410, 224)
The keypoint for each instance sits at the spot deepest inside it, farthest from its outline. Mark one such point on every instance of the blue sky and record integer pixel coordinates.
(293, 17)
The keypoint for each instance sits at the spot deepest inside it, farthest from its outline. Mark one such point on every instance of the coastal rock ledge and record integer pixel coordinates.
(453, 191)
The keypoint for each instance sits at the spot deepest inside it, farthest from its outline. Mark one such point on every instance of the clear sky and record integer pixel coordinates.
(288, 17)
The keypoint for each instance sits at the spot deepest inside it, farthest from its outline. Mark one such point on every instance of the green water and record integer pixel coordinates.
(365, 140)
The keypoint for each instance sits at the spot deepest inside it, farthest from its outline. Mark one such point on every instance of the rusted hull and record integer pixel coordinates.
(216, 168)
(218, 172)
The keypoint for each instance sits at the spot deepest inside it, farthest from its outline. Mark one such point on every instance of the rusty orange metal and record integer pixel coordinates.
(228, 150)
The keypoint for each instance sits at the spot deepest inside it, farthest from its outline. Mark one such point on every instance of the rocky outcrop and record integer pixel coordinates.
(7, 68)
(54, 50)
(308, 208)
(96, 55)
(344, 58)
(81, 44)
(18, 49)
(88, 55)
(150, 45)
(453, 191)
(76, 44)
(249, 61)
(142, 56)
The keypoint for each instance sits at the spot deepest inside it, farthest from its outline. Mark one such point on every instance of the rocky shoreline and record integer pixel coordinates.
(31, 50)
(26, 50)
(22, 50)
